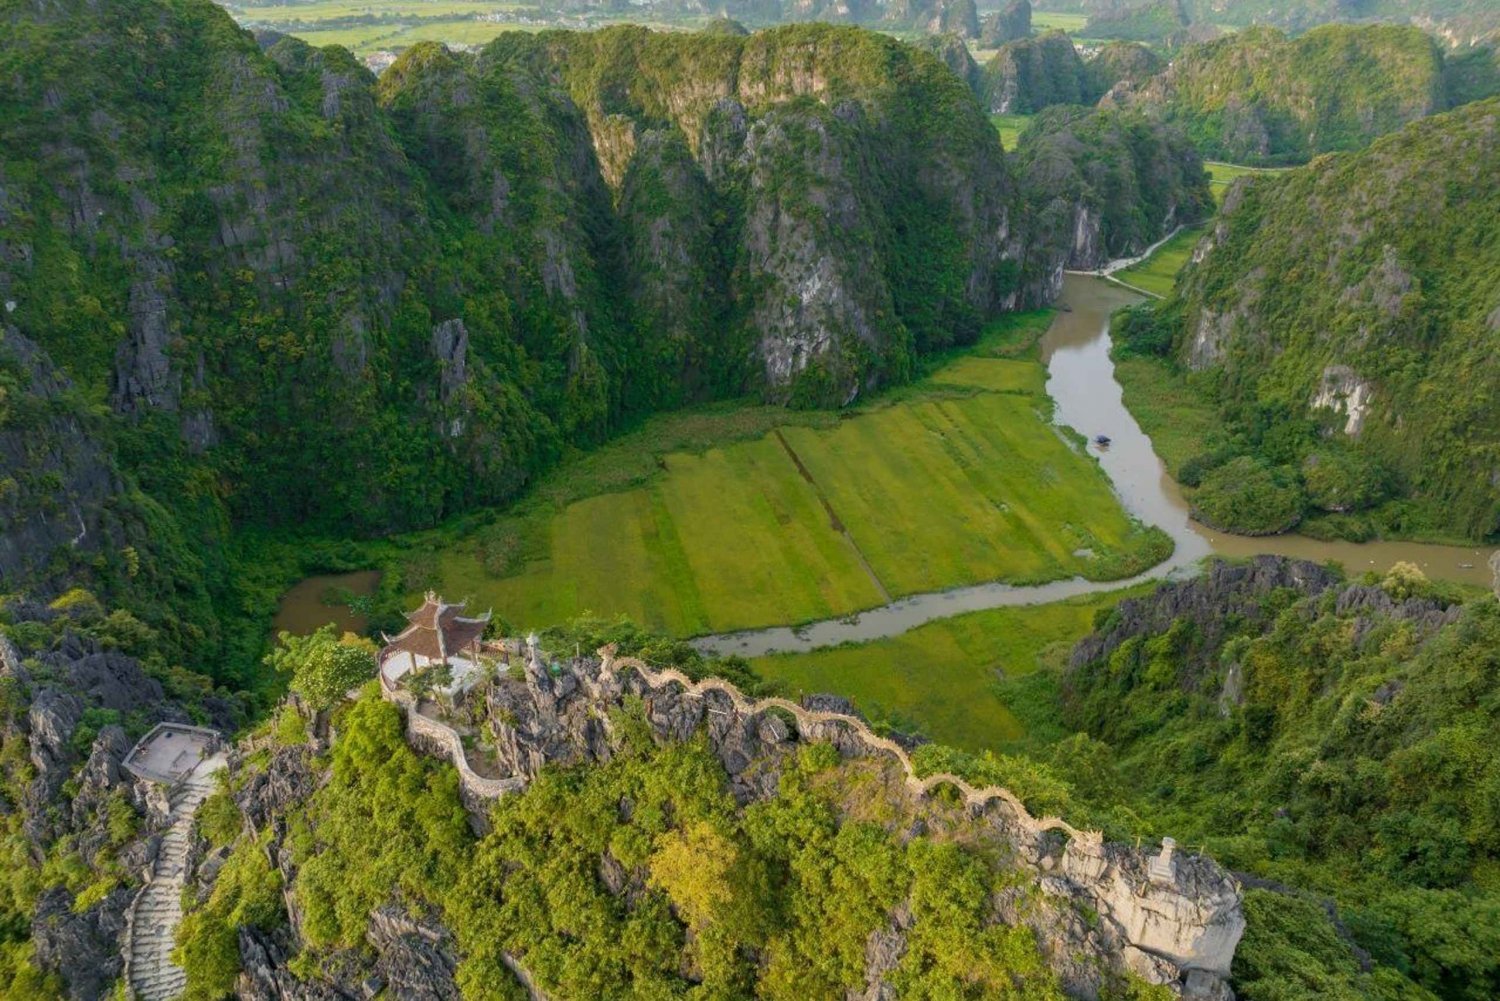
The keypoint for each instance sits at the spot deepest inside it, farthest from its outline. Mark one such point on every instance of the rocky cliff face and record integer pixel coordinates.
(1374, 346)
(1260, 97)
(1030, 74)
(738, 175)
(1010, 23)
(1107, 185)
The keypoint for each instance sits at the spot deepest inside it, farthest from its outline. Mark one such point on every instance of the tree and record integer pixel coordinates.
(694, 866)
(323, 666)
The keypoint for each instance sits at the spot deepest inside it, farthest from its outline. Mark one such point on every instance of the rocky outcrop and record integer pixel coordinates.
(1121, 64)
(954, 53)
(83, 945)
(417, 958)
(1227, 590)
(290, 776)
(936, 17)
(265, 976)
(1172, 919)
(1010, 23)
(1028, 75)
(1105, 185)
(1261, 96)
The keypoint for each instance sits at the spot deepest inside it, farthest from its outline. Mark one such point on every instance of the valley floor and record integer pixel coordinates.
(956, 480)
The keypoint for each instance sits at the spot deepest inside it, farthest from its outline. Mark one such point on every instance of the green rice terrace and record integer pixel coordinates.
(737, 517)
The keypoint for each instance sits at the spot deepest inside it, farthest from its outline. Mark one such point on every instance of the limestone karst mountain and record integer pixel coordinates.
(1378, 362)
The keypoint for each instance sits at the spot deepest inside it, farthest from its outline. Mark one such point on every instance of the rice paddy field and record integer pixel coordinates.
(1157, 273)
(953, 680)
(1221, 175)
(1046, 20)
(364, 27)
(1010, 128)
(736, 519)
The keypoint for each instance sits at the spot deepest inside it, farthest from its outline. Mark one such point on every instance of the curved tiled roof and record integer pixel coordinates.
(438, 630)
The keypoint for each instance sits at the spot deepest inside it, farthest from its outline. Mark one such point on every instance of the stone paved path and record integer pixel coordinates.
(158, 907)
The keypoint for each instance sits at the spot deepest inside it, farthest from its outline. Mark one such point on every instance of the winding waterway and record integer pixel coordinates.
(1081, 379)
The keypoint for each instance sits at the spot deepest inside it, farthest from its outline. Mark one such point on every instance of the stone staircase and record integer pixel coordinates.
(158, 907)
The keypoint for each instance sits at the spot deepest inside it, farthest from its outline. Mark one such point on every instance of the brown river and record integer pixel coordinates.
(1081, 379)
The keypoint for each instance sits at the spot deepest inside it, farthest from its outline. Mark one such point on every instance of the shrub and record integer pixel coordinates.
(1340, 479)
(1248, 497)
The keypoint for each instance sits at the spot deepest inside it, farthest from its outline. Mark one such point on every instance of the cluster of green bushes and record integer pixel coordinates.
(1330, 747)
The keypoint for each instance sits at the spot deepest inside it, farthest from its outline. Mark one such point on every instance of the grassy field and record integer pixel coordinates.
(1010, 128)
(732, 518)
(1157, 273)
(1046, 20)
(1221, 175)
(1176, 417)
(947, 679)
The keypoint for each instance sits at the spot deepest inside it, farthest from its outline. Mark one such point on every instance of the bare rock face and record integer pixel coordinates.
(83, 947)
(1185, 912)
(288, 779)
(823, 313)
(416, 957)
(265, 977)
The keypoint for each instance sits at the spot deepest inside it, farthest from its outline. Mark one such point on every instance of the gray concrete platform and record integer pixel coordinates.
(169, 752)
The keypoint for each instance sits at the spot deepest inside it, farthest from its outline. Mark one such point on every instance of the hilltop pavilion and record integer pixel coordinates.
(438, 634)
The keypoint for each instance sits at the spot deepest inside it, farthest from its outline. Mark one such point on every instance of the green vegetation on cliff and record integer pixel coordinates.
(641, 877)
(1258, 96)
(1364, 378)
(1322, 736)
(1108, 183)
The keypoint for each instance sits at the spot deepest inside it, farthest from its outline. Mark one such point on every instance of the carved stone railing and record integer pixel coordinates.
(808, 718)
(424, 732)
